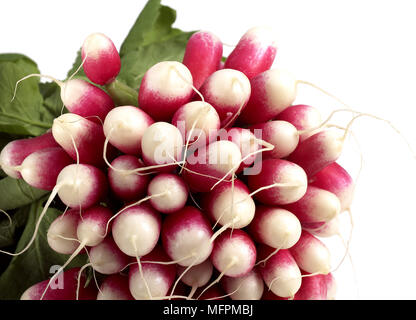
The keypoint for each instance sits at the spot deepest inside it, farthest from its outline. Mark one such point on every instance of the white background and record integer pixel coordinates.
(362, 51)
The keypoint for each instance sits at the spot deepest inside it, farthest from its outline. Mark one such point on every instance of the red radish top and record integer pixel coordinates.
(254, 53)
(203, 53)
(102, 63)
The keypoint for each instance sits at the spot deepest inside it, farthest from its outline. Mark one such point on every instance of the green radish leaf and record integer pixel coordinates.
(151, 39)
(16, 193)
(35, 264)
(24, 115)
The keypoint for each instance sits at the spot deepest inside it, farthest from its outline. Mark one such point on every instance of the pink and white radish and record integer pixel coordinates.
(275, 227)
(165, 87)
(101, 61)
(62, 232)
(90, 231)
(124, 127)
(136, 230)
(280, 272)
(228, 91)
(67, 290)
(13, 154)
(248, 287)
(303, 117)
(155, 279)
(279, 182)
(78, 186)
(198, 121)
(115, 287)
(316, 206)
(124, 182)
(197, 276)
(335, 179)
(168, 193)
(281, 134)
(325, 229)
(311, 254)
(271, 92)
(162, 145)
(254, 53)
(80, 97)
(186, 237)
(318, 151)
(246, 141)
(106, 257)
(233, 255)
(41, 168)
(230, 204)
(82, 139)
(202, 55)
(207, 165)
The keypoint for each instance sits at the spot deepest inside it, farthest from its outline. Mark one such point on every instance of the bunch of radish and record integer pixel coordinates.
(215, 187)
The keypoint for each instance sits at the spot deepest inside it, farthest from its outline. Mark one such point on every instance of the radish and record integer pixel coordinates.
(318, 151)
(82, 139)
(311, 254)
(228, 91)
(207, 165)
(279, 182)
(234, 255)
(136, 230)
(62, 230)
(162, 145)
(67, 290)
(155, 279)
(247, 142)
(186, 237)
(78, 186)
(115, 287)
(168, 193)
(230, 204)
(101, 61)
(254, 53)
(280, 272)
(303, 117)
(41, 168)
(199, 122)
(271, 92)
(197, 276)
(312, 288)
(106, 257)
(80, 97)
(202, 55)
(317, 205)
(275, 227)
(165, 87)
(335, 179)
(124, 127)
(281, 134)
(248, 287)
(326, 229)
(90, 230)
(127, 186)
(13, 154)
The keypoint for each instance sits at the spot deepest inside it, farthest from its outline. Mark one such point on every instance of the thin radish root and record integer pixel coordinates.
(58, 82)
(79, 278)
(187, 82)
(45, 209)
(8, 217)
